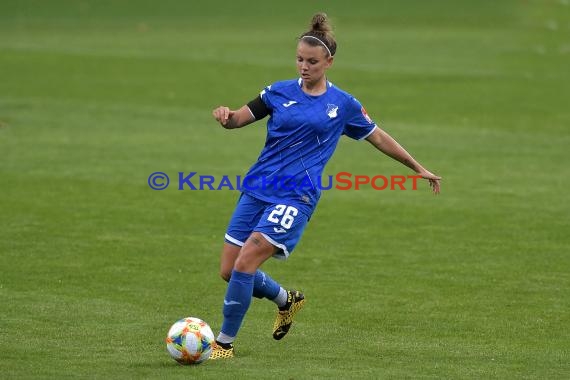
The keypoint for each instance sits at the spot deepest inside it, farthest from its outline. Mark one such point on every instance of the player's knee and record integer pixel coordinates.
(244, 264)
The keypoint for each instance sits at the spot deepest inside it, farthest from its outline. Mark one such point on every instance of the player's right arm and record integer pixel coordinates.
(256, 109)
(230, 119)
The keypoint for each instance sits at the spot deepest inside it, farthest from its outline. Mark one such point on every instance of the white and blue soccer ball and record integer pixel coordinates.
(190, 341)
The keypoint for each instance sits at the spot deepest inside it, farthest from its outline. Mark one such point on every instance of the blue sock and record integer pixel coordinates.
(236, 302)
(264, 286)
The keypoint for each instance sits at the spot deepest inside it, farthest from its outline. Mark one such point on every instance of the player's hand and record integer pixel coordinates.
(222, 115)
(433, 180)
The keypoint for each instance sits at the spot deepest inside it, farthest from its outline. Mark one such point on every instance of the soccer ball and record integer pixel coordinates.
(190, 341)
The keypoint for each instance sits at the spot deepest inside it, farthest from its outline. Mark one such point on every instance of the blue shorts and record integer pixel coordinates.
(281, 224)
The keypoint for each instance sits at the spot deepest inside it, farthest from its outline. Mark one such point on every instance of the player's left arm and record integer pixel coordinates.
(390, 147)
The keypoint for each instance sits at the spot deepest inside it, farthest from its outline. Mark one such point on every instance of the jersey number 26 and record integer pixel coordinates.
(286, 213)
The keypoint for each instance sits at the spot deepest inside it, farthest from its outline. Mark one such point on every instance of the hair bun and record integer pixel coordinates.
(320, 23)
(321, 33)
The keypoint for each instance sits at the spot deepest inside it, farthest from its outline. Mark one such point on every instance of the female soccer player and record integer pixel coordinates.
(307, 118)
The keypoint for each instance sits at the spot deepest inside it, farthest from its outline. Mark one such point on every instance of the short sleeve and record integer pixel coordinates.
(358, 124)
(258, 108)
(267, 96)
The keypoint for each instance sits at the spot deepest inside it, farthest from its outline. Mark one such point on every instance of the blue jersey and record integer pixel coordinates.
(302, 134)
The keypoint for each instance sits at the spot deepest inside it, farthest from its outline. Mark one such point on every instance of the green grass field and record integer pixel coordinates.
(95, 266)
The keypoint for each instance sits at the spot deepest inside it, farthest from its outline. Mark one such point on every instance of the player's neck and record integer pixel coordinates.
(315, 89)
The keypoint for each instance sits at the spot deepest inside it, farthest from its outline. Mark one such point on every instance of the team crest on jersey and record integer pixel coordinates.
(332, 110)
(365, 114)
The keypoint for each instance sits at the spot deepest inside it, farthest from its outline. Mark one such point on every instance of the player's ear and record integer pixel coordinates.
(330, 61)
